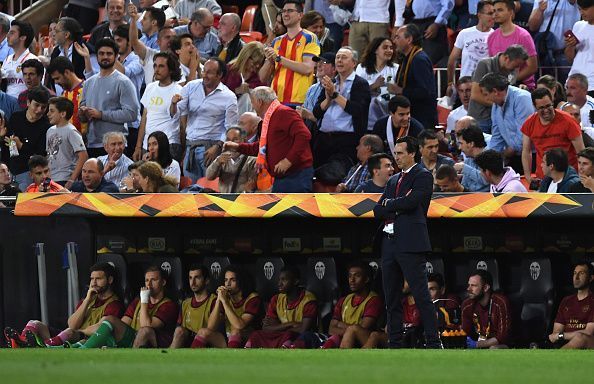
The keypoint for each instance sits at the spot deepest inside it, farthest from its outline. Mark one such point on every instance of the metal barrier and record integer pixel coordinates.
(16, 6)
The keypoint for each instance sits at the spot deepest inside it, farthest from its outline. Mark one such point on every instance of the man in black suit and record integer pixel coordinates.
(68, 31)
(403, 207)
(341, 110)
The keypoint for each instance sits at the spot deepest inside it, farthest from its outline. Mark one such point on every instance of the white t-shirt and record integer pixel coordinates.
(147, 64)
(389, 74)
(473, 44)
(585, 111)
(584, 58)
(11, 71)
(156, 101)
(553, 187)
(173, 170)
(454, 116)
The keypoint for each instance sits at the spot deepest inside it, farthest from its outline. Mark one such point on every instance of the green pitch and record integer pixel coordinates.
(291, 366)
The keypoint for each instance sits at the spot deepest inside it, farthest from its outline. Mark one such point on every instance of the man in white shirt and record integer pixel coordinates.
(471, 44)
(19, 39)
(580, 44)
(155, 100)
(464, 90)
(576, 88)
(207, 108)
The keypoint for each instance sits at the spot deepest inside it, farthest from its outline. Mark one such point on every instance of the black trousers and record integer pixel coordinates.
(328, 144)
(397, 266)
(436, 48)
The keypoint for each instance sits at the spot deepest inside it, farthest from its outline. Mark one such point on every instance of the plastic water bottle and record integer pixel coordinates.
(14, 151)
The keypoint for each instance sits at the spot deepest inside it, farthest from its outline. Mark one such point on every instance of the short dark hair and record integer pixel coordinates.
(34, 63)
(516, 52)
(446, 171)
(436, 277)
(298, 4)
(490, 160)
(72, 26)
(176, 42)
(136, 165)
(158, 15)
(222, 71)
(464, 80)
(156, 268)
(375, 161)
(123, 32)
(474, 135)
(310, 18)
(172, 64)
(106, 268)
(588, 153)
(481, 4)
(107, 42)
(37, 161)
(585, 3)
(412, 146)
(486, 277)
(494, 81)
(541, 93)
(365, 267)
(425, 135)
(202, 268)
(39, 94)
(587, 264)
(508, 3)
(558, 158)
(25, 29)
(60, 64)
(398, 101)
(244, 281)
(63, 104)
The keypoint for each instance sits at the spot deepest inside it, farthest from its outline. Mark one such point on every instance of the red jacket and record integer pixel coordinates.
(287, 137)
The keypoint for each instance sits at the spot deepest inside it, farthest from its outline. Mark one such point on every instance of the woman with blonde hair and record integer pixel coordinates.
(242, 74)
(152, 179)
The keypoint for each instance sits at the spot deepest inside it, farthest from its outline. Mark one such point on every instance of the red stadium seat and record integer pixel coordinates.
(212, 184)
(442, 115)
(247, 22)
(251, 36)
(184, 182)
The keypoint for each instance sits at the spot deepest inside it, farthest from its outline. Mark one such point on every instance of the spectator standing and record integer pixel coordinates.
(579, 45)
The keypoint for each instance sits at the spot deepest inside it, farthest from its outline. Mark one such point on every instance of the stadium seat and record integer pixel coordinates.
(172, 266)
(184, 182)
(247, 21)
(435, 265)
(248, 37)
(489, 264)
(121, 277)
(216, 264)
(211, 184)
(537, 295)
(322, 281)
(266, 276)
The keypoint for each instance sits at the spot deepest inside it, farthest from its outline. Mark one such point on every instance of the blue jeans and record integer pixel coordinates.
(199, 170)
(298, 182)
(23, 180)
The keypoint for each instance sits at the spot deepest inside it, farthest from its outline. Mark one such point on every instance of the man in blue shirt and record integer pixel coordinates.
(5, 50)
(511, 107)
(152, 21)
(200, 28)
(431, 16)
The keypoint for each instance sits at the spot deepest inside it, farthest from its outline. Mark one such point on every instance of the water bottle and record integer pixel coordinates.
(14, 151)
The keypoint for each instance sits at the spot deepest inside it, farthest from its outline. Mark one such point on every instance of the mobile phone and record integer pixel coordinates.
(569, 33)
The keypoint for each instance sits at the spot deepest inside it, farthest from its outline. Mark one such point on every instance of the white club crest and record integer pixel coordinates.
(320, 269)
(482, 265)
(165, 266)
(534, 270)
(268, 270)
(215, 270)
(429, 267)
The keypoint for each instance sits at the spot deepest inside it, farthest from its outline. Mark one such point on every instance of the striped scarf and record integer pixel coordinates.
(402, 73)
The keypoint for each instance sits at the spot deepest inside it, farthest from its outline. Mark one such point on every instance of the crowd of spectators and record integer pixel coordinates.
(175, 87)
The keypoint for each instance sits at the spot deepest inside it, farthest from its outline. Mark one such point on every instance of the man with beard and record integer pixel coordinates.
(290, 313)
(546, 129)
(430, 159)
(149, 320)
(109, 99)
(485, 314)
(574, 323)
(100, 301)
(195, 310)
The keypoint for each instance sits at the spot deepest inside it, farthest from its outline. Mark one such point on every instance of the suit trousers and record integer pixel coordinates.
(397, 266)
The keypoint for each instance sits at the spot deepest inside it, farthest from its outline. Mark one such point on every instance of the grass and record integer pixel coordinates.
(294, 366)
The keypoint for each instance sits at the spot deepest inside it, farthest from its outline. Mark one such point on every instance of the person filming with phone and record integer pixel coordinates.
(579, 41)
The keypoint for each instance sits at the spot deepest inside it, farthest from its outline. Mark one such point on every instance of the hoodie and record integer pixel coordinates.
(570, 178)
(509, 183)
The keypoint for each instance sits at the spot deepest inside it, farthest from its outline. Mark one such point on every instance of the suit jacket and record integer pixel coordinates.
(357, 106)
(408, 209)
(233, 48)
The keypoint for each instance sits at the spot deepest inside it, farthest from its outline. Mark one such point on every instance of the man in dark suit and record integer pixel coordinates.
(68, 31)
(403, 207)
(341, 110)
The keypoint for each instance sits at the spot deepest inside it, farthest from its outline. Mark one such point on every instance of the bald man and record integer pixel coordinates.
(93, 180)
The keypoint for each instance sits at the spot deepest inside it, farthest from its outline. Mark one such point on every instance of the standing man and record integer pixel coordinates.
(5, 50)
(397, 124)
(68, 31)
(403, 207)
(431, 16)
(116, 13)
(546, 129)
(153, 19)
(200, 28)
(283, 149)
(20, 36)
(63, 73)
(290, 57)
(578, 46)
(464, 90)
(415, 78)
(32, 71)
(207, 108)
(109, 99)
(370, 19)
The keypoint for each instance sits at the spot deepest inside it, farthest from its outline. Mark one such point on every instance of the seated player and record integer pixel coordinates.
(574, 324)
(290, 313)
(359, 310)
(149, 320)
(195, 310)
(238, 306)
(100, 301)
(447, 306)
(485, 314)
